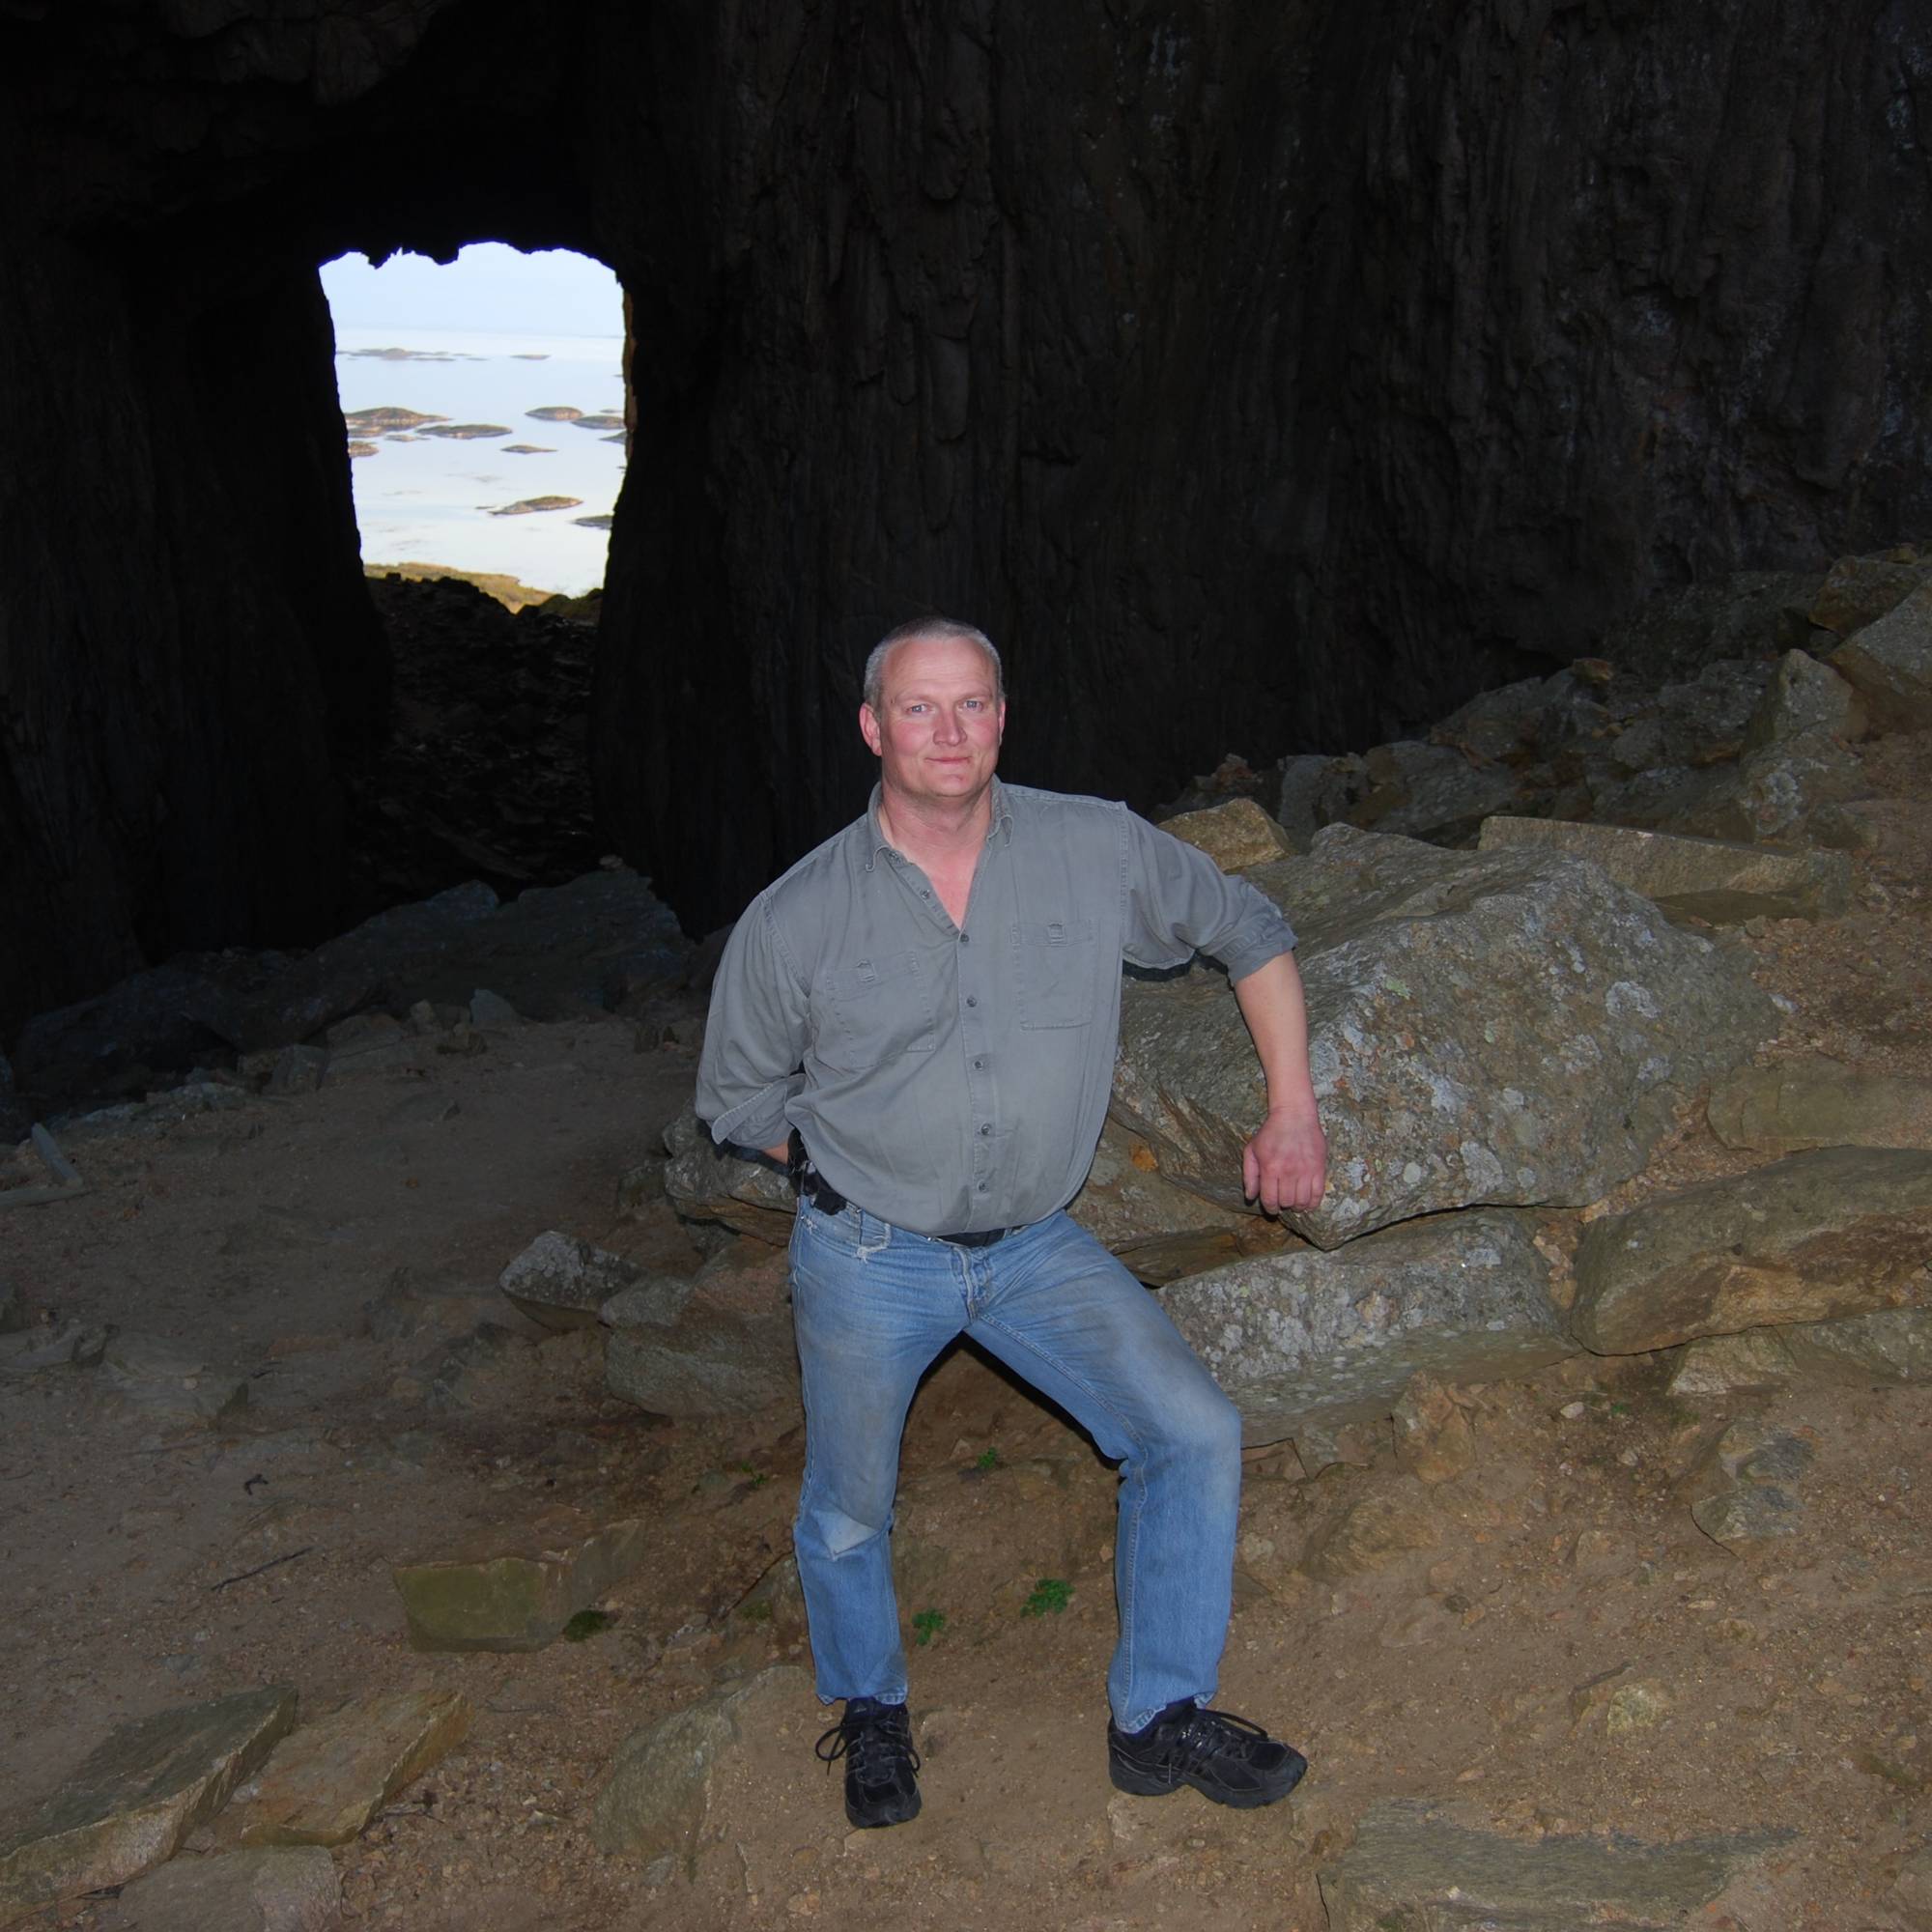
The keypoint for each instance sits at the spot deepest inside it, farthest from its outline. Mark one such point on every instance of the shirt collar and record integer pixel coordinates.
(876, 841)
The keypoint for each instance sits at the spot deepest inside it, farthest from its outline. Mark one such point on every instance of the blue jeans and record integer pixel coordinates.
(874, 1304)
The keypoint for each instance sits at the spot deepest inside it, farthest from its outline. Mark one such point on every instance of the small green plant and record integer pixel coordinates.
(986, 1461)
(1049, 1596)
(758, 1611)
(926, 1625)
(759, 1477)
(587, 1624)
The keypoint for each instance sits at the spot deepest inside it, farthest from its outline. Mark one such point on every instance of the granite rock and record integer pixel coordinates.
(707, 1182)
(1505, 1027)
(1835, 1232)
(562, 1282)
(1308, 1342)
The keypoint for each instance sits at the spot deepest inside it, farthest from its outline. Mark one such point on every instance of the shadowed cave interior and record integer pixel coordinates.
(1262, 379)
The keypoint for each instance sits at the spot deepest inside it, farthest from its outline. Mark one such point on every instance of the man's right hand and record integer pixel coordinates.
(778, 1155)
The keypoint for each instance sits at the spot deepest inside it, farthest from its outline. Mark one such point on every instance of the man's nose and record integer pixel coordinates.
(952, 727)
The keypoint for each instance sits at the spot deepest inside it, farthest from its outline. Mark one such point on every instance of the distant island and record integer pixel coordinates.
(555, 412)
(528, 450)
(412, 355)
(532, 505)
(593, 523)
(529, 356)
(468, 431)
(599, 422)
(374, 422)
(363, 448)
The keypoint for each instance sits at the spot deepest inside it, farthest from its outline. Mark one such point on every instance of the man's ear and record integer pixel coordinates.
(869, 728)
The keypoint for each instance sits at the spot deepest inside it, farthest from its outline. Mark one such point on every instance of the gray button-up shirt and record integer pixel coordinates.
(952, 1079)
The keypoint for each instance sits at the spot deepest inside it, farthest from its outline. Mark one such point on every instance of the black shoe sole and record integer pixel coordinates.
(870, 1818)
(1130, 1778)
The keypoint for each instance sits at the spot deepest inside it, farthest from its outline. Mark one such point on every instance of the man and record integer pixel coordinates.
(925, 1011)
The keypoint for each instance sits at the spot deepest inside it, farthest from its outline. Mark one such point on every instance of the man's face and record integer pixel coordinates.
(938, 726)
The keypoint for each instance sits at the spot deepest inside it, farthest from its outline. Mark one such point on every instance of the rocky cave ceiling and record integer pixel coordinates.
(1262, 376)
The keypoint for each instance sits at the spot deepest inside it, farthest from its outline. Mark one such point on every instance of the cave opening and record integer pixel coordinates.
(487, 408)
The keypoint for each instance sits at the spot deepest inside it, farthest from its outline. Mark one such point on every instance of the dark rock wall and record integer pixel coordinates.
(1262, 375)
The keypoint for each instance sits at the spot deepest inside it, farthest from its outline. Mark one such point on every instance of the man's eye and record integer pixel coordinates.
(911, 708)
(974, 704)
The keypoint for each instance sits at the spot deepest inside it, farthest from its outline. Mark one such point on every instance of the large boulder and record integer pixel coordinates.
(1835, 1232)
(1859, 591)
(562, 1282)
(1717, 880)
(1804, 695)
(1309, 1342)
(1793, 788)
(1504, 1028)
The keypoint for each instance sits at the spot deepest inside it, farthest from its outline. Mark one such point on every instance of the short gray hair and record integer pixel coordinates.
(939, 629)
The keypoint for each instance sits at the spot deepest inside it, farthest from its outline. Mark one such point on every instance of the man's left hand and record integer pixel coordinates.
(1286, 1165)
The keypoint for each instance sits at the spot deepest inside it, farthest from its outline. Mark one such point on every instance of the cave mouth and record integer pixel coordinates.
(488, 413)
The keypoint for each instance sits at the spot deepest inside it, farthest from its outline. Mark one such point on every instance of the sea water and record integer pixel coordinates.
(430, 499)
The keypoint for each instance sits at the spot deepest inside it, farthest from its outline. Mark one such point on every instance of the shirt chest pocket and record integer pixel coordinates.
(881, 1008)
(1056, 966)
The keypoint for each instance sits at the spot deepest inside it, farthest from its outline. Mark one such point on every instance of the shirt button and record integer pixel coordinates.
(981, 1188)
(978, 1067)
(972, 999)
(984, 1131)
(964, 937)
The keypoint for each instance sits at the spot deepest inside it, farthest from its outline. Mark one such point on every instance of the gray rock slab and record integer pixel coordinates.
(1309, 1342)
(1314, 791)
(1721, 881)
(1749, 1515)
(1507, 1026)
(720, 1344)
(1835, 1232)
(1804, 695)
(1812, 1101)
(562, 1282)
(1414, 1866)
(1742, 614)
(655, 1798)
(1889, 662)
(707, 1182)
(1724, 1365)
(134, 1798)
(284, 1889)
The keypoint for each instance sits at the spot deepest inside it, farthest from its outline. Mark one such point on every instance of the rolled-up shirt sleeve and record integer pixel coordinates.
(1180, 902)
(754, 1038)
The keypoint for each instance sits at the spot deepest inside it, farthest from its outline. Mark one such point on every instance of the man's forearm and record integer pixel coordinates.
(1272, 1003)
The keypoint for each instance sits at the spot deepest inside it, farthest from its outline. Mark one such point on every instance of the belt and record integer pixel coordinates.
(813, 1187)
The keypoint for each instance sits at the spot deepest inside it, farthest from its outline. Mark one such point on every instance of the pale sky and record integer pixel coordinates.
(487, 287)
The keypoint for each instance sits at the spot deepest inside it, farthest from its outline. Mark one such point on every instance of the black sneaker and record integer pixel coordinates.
(1223, 1756)
(881, 1766)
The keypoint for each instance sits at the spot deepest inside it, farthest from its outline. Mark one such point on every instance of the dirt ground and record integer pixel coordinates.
(1790, 1687)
